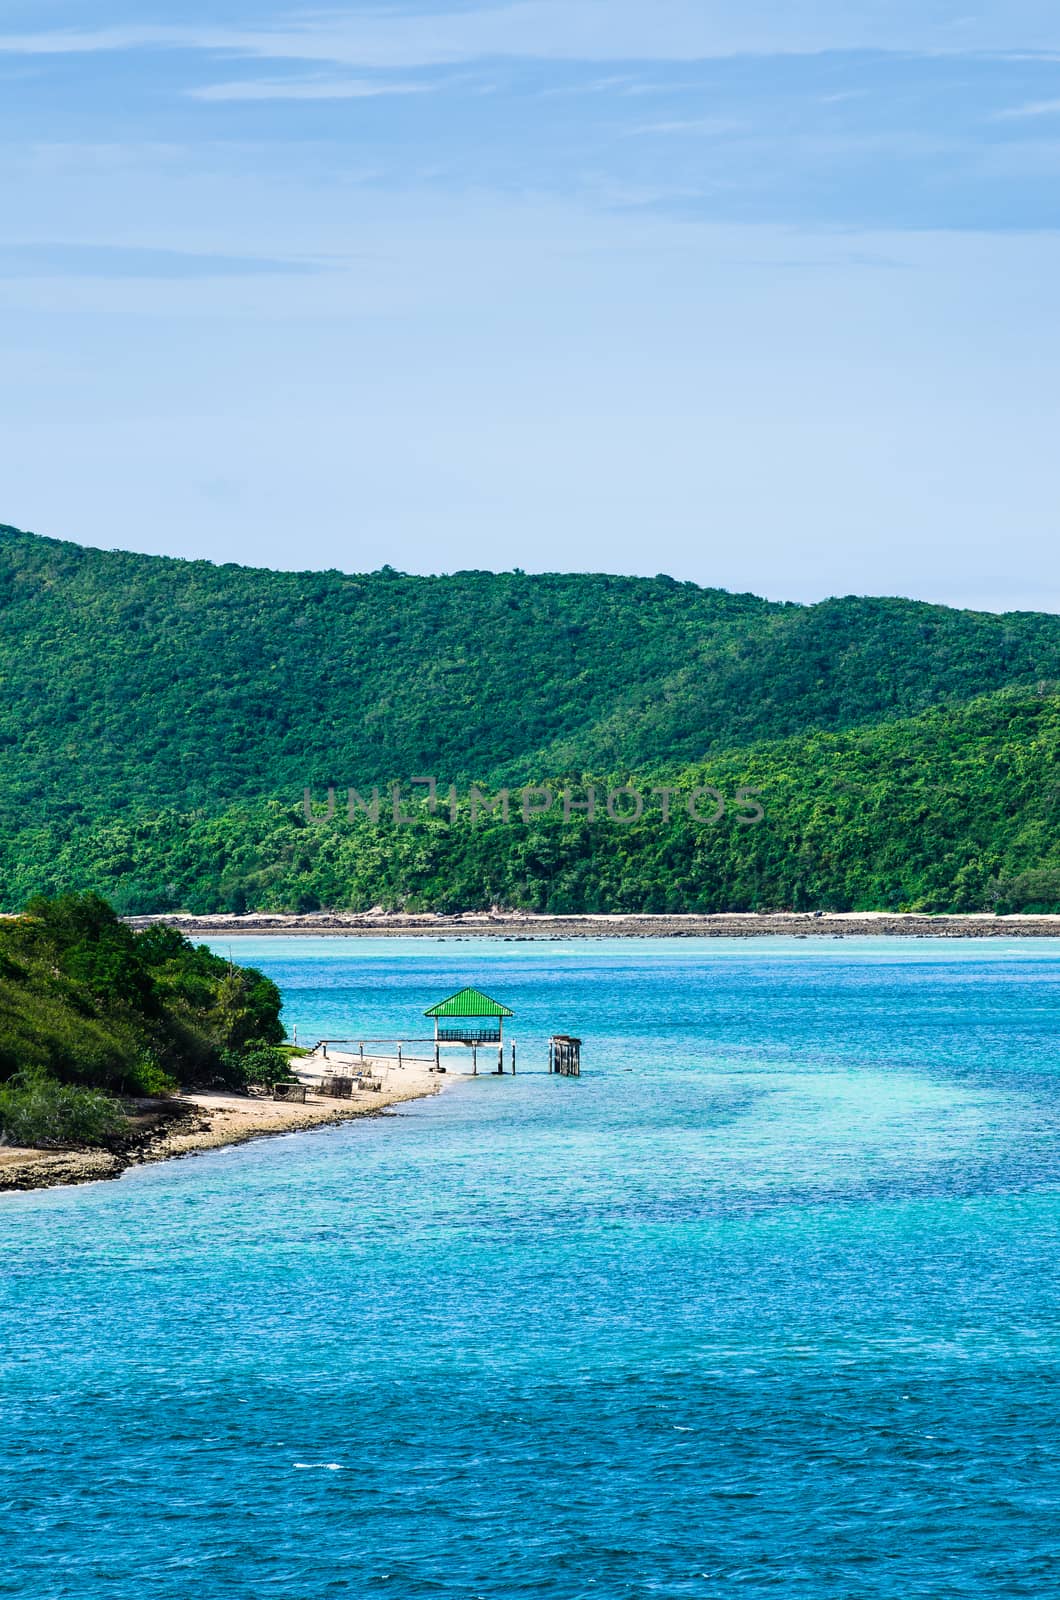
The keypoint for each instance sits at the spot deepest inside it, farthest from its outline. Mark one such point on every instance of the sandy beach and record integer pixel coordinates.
(207, 1121)
(641, 925)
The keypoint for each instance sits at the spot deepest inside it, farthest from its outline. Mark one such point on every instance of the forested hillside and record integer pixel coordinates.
(129, 675)
(955, 810)
(160, 718)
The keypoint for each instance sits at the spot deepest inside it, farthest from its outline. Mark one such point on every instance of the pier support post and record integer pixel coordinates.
(513, 1058)
(437, 1062)
(399, 1052)
(474, 1060)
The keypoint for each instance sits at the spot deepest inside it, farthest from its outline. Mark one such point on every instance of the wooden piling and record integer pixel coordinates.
(564, 1055)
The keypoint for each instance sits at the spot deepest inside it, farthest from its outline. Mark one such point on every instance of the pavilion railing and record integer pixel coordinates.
(451, 1033)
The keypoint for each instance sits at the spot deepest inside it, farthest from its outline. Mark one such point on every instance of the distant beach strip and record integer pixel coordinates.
(642, 925)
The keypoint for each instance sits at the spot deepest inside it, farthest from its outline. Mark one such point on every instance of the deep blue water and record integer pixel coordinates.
(765, 1304)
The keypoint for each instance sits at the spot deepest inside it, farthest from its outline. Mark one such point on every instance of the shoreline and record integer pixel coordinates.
(516, 925)
(198, 1122)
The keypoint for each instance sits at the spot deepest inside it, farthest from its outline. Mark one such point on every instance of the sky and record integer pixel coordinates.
(763, 295)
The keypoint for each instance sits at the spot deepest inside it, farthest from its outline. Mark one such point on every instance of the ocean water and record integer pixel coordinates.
(763, 1305)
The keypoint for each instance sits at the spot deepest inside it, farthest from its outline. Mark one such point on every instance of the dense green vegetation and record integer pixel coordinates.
(90, 1012)
(160, 718)
(957, 809)
(179, 682)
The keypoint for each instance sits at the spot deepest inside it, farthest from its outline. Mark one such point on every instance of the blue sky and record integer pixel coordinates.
(763, 295)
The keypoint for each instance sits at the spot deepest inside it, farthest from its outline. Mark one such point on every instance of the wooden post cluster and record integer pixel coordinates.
(565, 1055)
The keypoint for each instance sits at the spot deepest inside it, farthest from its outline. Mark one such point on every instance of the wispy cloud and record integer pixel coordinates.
(610, 85)
(700, 125)
(67, 260)
(88, 41)
(304, 89)
(1035, 108)
(579, 30)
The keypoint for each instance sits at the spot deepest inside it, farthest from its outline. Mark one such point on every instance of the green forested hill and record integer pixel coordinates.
(955, 810)
(152, 707)
(162, 678)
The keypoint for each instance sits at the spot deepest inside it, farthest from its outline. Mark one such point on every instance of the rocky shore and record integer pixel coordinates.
(647, 925)
(205, 1121)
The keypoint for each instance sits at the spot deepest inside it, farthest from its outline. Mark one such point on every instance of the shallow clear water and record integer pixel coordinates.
(764, 1304)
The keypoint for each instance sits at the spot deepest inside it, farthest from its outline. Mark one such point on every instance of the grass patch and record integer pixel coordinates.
(41, 1113)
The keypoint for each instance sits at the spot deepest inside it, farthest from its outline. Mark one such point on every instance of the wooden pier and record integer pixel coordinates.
(369, 1058)
(468, 1022)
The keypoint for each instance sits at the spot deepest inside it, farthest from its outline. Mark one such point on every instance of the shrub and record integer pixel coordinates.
(37, 1111)
(148, 1078)
(258, 1064)
(1026, 891)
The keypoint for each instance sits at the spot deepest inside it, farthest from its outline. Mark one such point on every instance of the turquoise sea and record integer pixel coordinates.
(764, 1305)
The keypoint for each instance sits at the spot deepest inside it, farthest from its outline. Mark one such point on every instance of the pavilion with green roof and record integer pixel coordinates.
(469, 1017)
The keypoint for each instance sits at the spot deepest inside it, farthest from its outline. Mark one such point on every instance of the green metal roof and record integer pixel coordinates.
(469, 1003)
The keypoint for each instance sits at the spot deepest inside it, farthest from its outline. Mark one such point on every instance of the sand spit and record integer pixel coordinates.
(647, 925)
(208, 1121)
